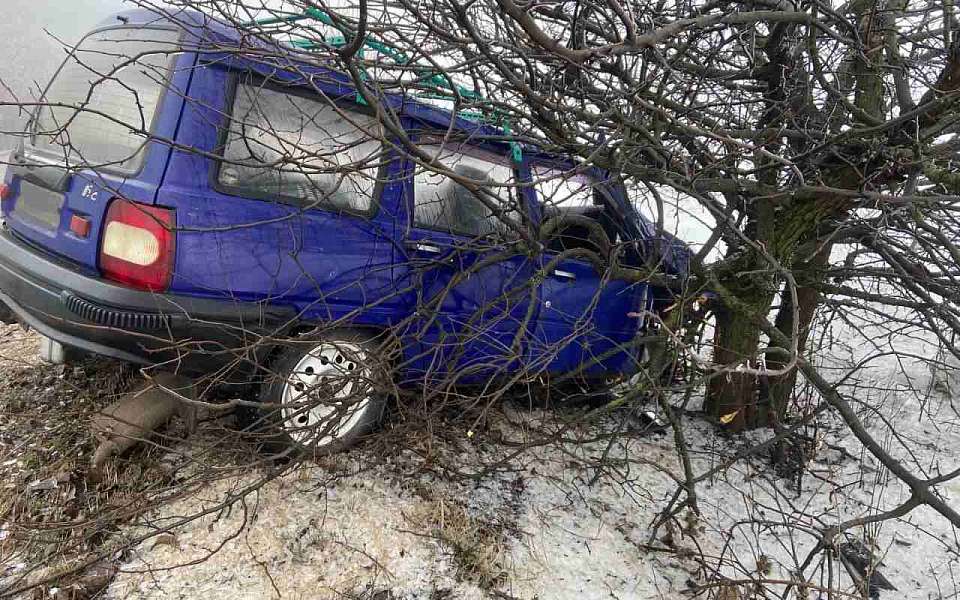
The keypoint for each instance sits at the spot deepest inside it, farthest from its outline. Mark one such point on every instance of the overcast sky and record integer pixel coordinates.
(28, 49)
(29, 52)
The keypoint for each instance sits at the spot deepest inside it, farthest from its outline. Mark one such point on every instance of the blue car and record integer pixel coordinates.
(186, 202)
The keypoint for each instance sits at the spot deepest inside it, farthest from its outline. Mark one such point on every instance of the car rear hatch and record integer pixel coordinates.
(95, 138)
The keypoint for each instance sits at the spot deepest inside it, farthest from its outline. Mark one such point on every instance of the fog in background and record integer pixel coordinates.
(30, 50)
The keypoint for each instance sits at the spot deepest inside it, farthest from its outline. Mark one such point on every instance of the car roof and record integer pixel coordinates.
(211, 35)
(220, 40)
(214, 36)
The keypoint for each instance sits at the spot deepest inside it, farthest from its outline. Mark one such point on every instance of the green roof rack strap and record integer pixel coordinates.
(515, 150)
(426, 75)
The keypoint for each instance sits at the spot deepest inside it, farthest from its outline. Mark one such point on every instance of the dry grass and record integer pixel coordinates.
(18, 348)
(478, 547)
(49, 514)
(53, 517)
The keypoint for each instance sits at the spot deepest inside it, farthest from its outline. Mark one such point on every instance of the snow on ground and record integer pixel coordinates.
(539, 533)
(569, 536)
(569, 521)
(566, 537)
(303, 540)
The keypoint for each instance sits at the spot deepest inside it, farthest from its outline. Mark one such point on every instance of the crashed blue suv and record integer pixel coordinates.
(178, 201)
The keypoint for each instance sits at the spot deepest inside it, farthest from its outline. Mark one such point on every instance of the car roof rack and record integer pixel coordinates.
(442, 87)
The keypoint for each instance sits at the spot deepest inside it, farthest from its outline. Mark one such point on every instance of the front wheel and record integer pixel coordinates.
(323, 394)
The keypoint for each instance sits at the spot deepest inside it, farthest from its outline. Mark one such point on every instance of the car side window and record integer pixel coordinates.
(304, 150)
(560, 188)
(446, 204)
(567, 192)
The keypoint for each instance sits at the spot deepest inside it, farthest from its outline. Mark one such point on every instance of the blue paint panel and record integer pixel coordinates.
(464, 325)
(469, 297)
(584, 322)
(327, 265)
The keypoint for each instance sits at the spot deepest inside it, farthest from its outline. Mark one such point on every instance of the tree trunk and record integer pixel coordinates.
(808, 276)
(732, 396)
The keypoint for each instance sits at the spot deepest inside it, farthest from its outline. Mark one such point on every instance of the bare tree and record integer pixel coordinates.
(820, 139)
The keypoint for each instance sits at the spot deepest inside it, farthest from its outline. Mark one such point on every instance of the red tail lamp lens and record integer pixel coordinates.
(138, 245)
(6, 192)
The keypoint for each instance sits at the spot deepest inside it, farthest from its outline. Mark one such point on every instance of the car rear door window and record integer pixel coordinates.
(444, 203)
(301, 149)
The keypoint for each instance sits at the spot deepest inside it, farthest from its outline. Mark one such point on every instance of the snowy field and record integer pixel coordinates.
(558, 533)
(567, 520)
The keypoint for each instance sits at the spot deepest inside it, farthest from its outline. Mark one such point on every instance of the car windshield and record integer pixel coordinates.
(99, 108)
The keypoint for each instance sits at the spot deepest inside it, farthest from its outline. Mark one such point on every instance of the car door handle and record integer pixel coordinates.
(425, 248)
(564, 275)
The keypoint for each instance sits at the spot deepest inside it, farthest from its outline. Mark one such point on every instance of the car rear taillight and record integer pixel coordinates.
(6, 192)
(138, 244)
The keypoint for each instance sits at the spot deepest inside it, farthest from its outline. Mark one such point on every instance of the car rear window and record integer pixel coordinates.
(99, 108)
(300, 149)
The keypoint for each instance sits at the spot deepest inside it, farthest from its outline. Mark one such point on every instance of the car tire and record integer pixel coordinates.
(322, 394)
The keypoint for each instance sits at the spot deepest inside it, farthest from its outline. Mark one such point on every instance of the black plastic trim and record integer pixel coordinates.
(68, 340)
(84, 311)
(102, 315)
(22, 261)
(7, 316)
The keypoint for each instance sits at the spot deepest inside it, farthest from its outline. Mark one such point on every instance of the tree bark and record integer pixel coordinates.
(808, 275)
(732, 395)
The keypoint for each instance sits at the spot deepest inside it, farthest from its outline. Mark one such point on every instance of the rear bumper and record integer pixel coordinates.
(184, 333)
